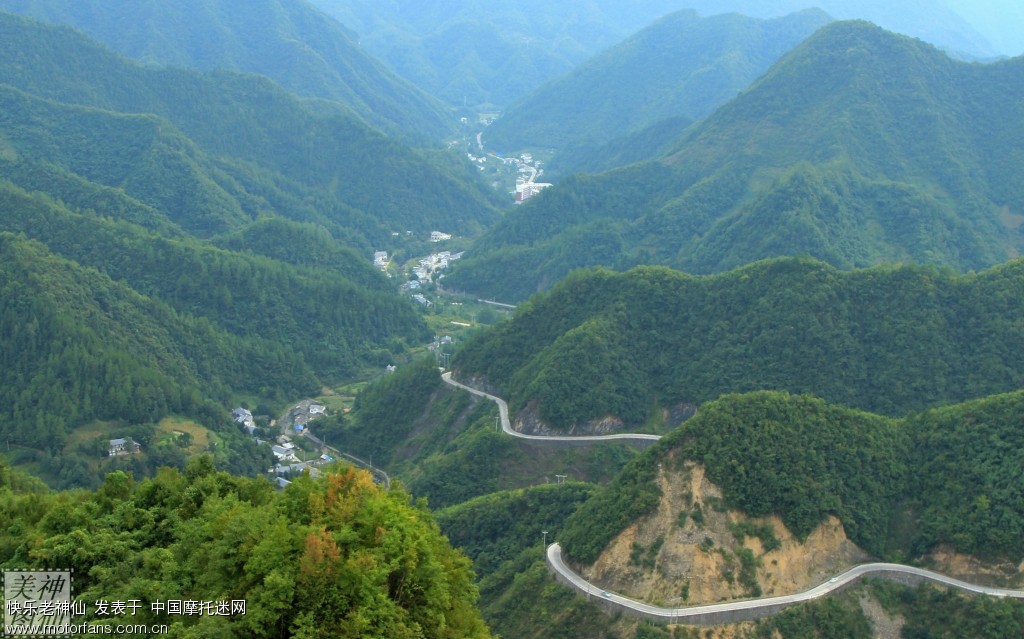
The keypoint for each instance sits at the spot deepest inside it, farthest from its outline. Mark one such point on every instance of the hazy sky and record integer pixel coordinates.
(978, 27)
(1000, 21)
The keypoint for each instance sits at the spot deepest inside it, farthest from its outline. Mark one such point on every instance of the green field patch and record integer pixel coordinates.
(176, 427)
(90, 432)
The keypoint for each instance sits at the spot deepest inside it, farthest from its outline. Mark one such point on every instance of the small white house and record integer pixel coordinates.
(123, 446)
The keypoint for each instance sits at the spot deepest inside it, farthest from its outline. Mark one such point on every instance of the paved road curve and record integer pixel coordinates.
(714, 614)
(506, 425)
(733, 611)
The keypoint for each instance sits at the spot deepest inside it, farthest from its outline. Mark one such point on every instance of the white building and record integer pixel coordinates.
(526, 190)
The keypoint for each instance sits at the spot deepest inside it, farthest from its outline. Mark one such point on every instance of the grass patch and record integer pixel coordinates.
(90, 432)
(173, 427)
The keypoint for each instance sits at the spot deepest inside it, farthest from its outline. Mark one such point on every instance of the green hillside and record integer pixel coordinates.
(117, 324)
(887, 339)
(858, 147)
(333, 557)
(680, 66)
(442, 444)
(214, 230)
(139, 154)
(320, 314)
(496, 528)
(803, 459)
(263, 149)
(288, 41)
(87, 347)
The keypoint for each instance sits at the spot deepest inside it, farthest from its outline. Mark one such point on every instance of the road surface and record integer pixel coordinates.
(506, 425)
(729, 612)
(379, 475)
(714, 614)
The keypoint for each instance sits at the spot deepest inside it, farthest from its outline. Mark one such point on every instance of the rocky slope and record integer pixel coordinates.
(691, 550)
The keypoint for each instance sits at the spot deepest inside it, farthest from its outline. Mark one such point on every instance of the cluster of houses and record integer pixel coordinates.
(285, 451)
(283, 471)
(479, 160)
(529, 171)
(381, 261)
(302, 414)
(435, 262)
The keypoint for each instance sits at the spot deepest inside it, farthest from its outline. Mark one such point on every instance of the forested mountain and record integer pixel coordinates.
(176, 241)
(81, 346)
(245, 145)
(887, 339)
(482, 54)
(899, 338)
(333, 557)
(478, 54)
(803, 459)
(858, 147)
(289, 41)
(117, 323)
(945, 24)
(681, 66)
(495, 528)
(330, 320)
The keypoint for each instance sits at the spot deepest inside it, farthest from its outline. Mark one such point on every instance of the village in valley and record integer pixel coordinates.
(297, 450)
(291, 436)
(295, 447)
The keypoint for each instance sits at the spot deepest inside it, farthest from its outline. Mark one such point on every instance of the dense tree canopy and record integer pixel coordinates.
(889, 339)
(901, 487)
(859, 147)
(332, 557)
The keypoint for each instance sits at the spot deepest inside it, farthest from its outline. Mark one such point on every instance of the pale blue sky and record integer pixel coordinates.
(1000, 21)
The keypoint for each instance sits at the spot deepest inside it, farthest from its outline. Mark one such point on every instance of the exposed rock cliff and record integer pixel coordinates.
(692, 550)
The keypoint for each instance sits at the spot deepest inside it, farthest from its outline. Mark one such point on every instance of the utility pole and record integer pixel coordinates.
(497, 422)
(545, 542)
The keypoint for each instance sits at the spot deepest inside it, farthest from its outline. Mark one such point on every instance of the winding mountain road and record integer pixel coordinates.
(727, 612)
(745, 610)
(506, 425)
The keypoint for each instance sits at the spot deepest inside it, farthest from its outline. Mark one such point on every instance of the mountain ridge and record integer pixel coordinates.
(899, 338)
(270, 148)
(289, 41)
(838, 152)
(683, 65)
